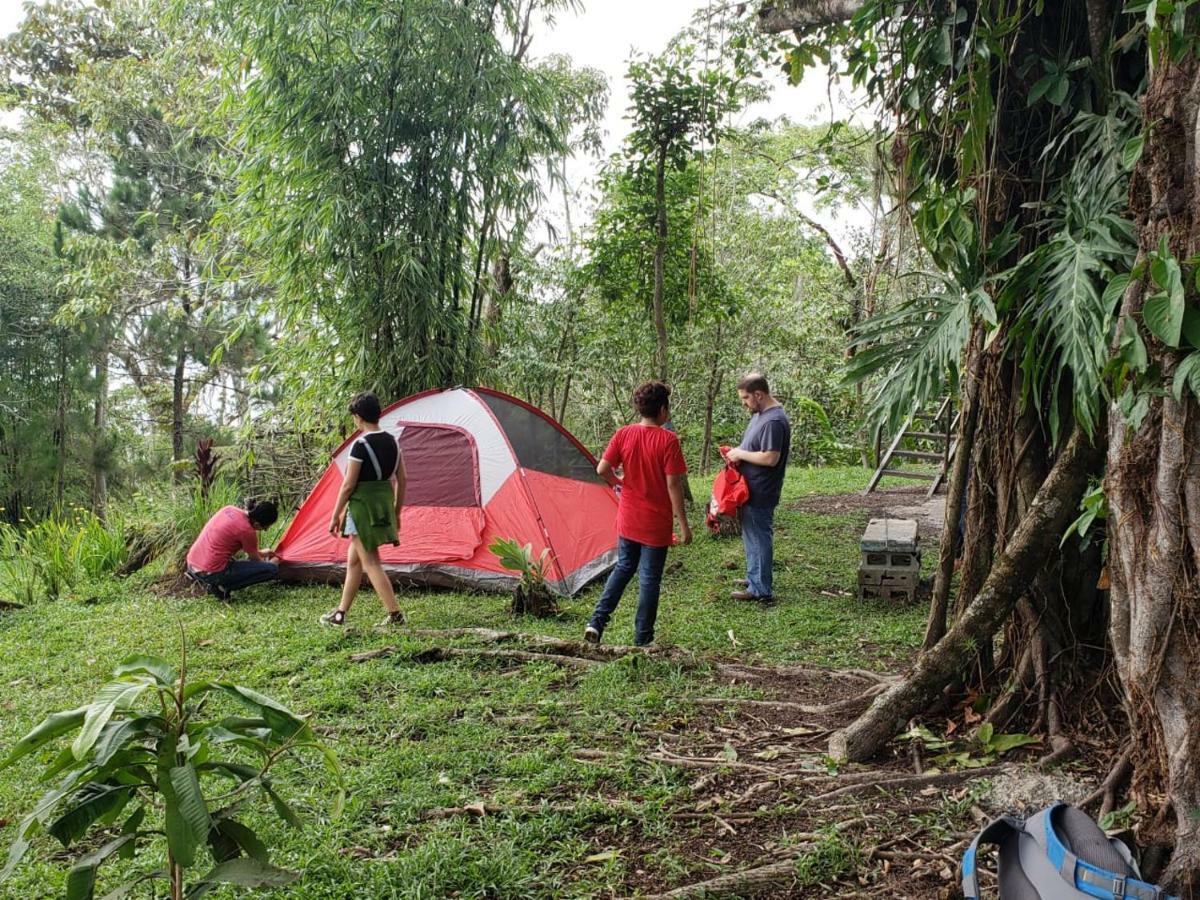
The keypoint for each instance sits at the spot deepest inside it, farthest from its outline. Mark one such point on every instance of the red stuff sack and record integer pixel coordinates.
(729, 493)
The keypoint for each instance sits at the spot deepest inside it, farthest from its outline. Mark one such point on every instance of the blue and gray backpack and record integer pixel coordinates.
(1058, 853)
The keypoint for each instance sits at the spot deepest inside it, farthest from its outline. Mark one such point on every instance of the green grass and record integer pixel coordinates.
(414, 737)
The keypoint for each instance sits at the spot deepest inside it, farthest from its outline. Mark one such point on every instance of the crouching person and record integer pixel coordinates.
(651, 490)
(210, 560)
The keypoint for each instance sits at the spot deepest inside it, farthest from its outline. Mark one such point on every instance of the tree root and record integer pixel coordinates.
(910, 781)
(738, 884)
(442, 654)
(551, 644)
(683, 762)
(743, 670)
(838, 706)
(1053, 506)
(1107, 791)
(11, 604)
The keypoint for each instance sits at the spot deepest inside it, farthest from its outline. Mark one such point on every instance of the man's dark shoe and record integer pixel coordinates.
(591, 634)
(746, 595)
(222, 594)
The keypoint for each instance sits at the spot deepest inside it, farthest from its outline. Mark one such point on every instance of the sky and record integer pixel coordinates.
(603, 34)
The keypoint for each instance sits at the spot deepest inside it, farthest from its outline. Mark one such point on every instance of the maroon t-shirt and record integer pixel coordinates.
(647, 454)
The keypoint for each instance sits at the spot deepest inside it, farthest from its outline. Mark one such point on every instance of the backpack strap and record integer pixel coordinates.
(374, 459)
(993, 833)
(1085, 876)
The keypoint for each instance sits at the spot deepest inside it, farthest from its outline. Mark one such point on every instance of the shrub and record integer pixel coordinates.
(146, 769)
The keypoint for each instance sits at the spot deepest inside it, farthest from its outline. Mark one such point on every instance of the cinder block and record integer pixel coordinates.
(889, 535)
(885, 593)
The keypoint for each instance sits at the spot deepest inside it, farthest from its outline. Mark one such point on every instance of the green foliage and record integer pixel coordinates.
(520, 559)
(408, 141)
(163, 523)
(1093, 508)
(1119, 819)
(127, 762)
(912, 353)
(982, 749)
(48, 558)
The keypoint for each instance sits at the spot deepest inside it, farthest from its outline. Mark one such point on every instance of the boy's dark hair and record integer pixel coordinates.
(651, 398)
(753, 382)
(262, 512)
(366, 407)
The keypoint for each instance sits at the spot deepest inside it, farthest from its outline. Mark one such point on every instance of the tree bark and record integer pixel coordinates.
(660, 253)
(956, 488)
(1153, 489)
(99, 427)
(801, 15)
(60, 421)
(1031, 545)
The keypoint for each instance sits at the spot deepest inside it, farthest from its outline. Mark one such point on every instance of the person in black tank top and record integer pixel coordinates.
(374, 486)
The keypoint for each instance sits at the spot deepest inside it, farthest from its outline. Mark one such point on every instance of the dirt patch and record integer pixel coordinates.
(890, 503)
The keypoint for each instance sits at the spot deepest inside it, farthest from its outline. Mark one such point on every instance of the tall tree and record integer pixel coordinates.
(675, 108)
(407, 139)
(1017, 127)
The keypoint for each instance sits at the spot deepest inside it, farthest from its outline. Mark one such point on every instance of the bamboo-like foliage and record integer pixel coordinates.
(389, 149)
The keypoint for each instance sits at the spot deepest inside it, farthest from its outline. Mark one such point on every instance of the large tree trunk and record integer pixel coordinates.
(660, 254)
(1153, 488)
(1030, 547)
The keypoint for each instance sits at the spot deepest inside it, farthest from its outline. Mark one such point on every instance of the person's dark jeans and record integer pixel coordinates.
(758, 537)
(241, 573)
(647, 563)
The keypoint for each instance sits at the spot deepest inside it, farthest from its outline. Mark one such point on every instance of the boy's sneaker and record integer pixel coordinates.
(337, 618)
(591, 634)
(392, 618)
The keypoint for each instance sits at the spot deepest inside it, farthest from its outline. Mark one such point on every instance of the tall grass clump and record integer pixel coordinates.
(163, 525)
(49, 557)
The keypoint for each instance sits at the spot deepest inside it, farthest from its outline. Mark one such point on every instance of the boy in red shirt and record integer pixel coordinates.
(651, 490)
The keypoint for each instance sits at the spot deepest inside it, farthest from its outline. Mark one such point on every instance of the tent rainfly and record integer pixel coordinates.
(481, 465)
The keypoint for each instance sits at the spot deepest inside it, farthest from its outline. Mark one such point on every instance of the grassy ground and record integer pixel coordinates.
(415, 737)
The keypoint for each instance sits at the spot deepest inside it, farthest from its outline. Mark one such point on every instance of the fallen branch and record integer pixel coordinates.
(910, 781)
(683, 762)
(745, 669)
(443, 654)
(825, 709)
(738, 884)
(550, 644)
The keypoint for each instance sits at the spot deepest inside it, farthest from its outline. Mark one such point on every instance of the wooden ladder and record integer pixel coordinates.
(940, 430)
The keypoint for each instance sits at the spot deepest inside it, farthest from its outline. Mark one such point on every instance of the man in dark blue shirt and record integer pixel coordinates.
(761, 458)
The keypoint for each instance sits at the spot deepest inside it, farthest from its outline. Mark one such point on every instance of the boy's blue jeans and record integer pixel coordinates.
(648, 563)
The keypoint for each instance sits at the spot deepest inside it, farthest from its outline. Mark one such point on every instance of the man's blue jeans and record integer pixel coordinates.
(648, 563)
(240, 573)
(758, 537)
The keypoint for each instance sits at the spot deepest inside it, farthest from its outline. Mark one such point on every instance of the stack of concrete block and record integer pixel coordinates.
(891, 561)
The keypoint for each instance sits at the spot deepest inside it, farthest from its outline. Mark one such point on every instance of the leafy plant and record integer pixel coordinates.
(1093, 506)
(982, 749)
(521, 559)
(532, 595)
(1118, 819)
(131, 775)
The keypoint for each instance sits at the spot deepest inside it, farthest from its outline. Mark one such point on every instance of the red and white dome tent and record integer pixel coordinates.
(481, 465)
